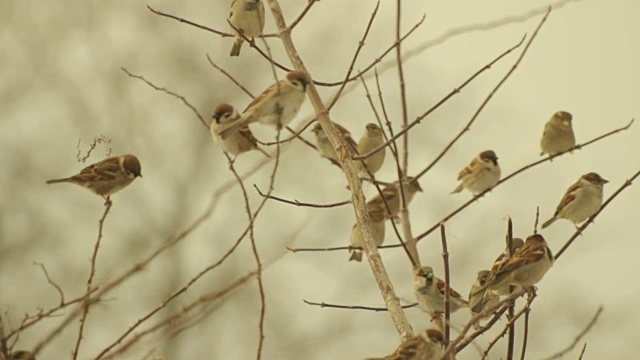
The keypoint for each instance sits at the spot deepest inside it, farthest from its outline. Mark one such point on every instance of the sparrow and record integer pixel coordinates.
(581, 201)
(558, 134)
(479, 300)
(482, 174)
(391, 195)
(525, 268)
(246, 18)
(277, 105)
(516, 244)
(372, 138)
(238, 142)
(325, 149)
(22, 355)
(376, 219)
(428, 345)
(429, 291)
(106, 177)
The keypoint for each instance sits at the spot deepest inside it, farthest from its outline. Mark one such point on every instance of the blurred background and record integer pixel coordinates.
(62, 82)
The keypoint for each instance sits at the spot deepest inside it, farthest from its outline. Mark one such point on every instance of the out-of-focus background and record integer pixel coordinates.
(61, 82)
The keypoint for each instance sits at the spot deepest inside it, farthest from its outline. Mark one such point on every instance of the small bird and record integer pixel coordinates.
(277, 105)
(558, 134)
(516, 244)
(391, 195)
(238, 142)
(581, 201)
(482, 174)
(429, 291)
(106, 177)
(22, 355)
(246, 18)
(376, 218)
(525, 268)
(428, 345)
(372, 138)
(325, 149)
(477, 299)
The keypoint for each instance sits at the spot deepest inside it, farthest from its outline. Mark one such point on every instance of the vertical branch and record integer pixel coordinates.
(447, 290)
(526, 332)
(373, 256)
(86, 301)
(4, 351)
(404, 154)
(512, 327)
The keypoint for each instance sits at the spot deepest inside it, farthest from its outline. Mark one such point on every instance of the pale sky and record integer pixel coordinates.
(62, 82)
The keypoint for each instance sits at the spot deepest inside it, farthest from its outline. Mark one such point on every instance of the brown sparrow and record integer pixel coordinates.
(516, 244)
(482, 174)
(428, 345)
(429, 291)
(478, 300)
(246, 18)
(22, 355)
(581, 201)
(238, 142)
(525, 268)
(558, 134)
(277, 105)
(376, 219)
(391, 195)
(325, 149)
(106, 177)
(371, 139)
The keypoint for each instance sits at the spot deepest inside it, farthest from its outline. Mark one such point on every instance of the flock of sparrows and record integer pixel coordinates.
(523, 265)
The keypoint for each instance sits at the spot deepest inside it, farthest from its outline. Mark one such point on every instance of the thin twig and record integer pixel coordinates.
(51, 282)
(447, 290)
(453, 92)
(511, 321)
(298, 203)
(578, 337)
(489, 97)
(582, 352)
(355, 307)
(594, 216)
(184, 100)
(230, 77)
(355, 57)
(92, 272)
(512, 305)
(525, 335)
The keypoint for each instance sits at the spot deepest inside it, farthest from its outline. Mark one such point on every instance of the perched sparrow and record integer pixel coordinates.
(106, 177)
(376, 218)
(246, 18)
(581, 201)
(429, 291)
(371, 139)
(477, 299)
(391, 195)
(22, 355)
(525, 268)
(238, 142)
(482, 174)
(325, 149)
(516, 244)
(428, 345)
(558, 134)
(277, 105)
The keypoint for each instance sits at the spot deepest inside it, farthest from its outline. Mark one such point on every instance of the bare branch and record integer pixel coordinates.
(92, 272)
(51, 282)
(355, 307)
(578, 337)
(298, 203)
